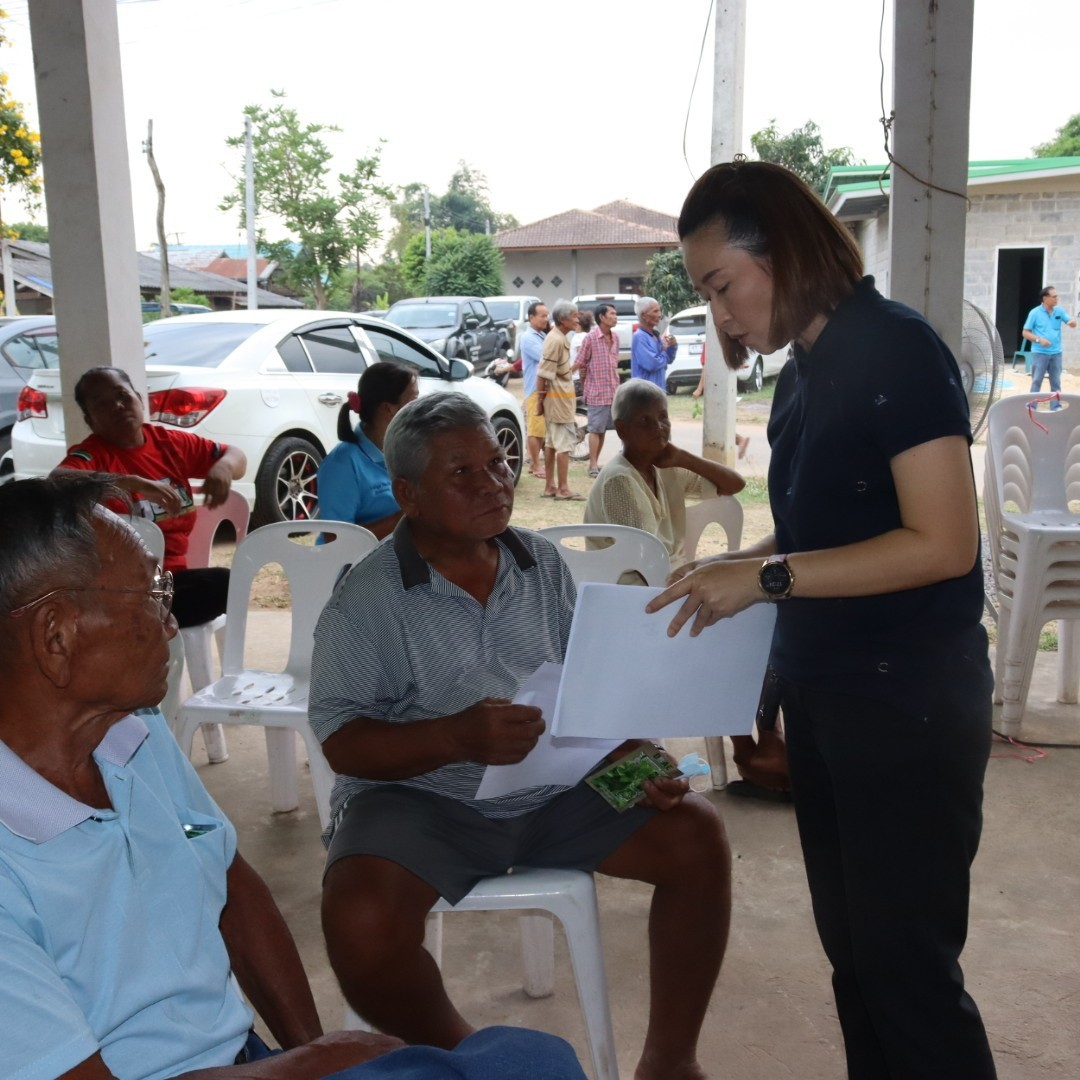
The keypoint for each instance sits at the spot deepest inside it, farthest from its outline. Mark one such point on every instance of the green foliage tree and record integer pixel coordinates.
(466, 207)
(184, 295)
(461, 264)
(324, 226)
(20, 148)
(668, 282)
(801, 151)
(30, 230)
(1065, 144)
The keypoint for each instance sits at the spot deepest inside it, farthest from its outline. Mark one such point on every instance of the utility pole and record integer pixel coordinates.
(163, 244)
(249, 217)
(427, 226)
(729, 61)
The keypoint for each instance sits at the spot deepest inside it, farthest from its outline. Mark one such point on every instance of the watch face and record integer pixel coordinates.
(775, 578)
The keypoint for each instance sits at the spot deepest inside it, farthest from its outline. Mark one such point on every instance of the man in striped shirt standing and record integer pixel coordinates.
(417, 657)
(598, 362)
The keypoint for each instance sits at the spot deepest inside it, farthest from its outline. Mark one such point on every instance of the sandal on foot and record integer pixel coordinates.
(572, 497)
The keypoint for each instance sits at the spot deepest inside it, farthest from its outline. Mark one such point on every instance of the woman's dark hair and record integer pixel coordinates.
(382, 383)
(769, 213)
(585, 321)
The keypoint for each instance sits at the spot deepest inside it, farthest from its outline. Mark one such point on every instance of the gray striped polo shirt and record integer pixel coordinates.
(399, 642)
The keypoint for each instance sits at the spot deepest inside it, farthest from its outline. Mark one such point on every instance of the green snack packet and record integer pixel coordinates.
(620, 783)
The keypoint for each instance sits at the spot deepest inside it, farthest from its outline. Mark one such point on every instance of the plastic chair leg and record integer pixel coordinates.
(200, 667)
(1068, 662)
(538, 954)
(717, 759)
(580, 917)
(281, 755)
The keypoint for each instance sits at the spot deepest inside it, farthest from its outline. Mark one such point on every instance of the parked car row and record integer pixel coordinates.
(268, 381)
(459, 327)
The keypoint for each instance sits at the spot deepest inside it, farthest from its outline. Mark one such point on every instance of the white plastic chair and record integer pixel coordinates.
(630, 550)
(277, 701)
(191, 638)
(1032, 476)
(727, 512)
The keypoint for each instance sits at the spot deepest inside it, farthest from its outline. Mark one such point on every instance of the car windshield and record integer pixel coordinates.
(623, 308)
(195, 344)
(503, 309)
(687, 324)
(422, 316)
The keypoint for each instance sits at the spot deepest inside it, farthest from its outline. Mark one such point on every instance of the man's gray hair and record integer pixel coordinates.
(643, 303)
(562, 309)
(406, 445)
(48, 541)
(633, 396)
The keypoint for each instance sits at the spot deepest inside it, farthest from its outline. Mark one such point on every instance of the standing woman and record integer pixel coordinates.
(353, 483)
(874, 567)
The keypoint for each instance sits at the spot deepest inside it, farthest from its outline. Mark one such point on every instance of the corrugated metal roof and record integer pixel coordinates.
(31, 264)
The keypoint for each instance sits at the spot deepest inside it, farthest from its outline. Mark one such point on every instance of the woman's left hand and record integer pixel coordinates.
(711, 592)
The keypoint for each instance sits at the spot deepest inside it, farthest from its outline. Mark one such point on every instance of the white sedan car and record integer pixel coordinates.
(688, 328)
(270, 382)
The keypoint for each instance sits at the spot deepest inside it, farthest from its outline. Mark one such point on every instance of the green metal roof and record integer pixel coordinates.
(849, 180)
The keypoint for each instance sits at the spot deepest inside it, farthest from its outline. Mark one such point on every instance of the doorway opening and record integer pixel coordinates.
(1019, 282)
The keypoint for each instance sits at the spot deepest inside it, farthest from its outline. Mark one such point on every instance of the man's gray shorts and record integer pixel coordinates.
(451, 846)
(600, 419)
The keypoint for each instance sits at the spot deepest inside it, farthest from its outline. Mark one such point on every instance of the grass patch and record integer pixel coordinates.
(755, 492)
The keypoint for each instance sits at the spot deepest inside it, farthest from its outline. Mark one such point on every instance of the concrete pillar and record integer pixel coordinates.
(87, 192)
(931, 99)
(729, 63)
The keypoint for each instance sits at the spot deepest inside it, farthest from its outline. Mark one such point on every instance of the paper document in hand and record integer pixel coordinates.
(624, 678)
(551, 761)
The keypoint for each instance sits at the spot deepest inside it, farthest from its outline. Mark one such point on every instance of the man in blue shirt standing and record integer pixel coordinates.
(532, 344)
(650, 353)
(1043, 330)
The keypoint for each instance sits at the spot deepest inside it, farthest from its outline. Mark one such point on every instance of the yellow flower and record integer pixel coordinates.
(3, 78)
(20, 133)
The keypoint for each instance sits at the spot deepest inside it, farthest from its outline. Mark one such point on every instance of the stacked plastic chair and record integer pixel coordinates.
(1031, 498)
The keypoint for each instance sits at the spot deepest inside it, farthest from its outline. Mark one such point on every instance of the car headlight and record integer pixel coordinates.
(439, 345)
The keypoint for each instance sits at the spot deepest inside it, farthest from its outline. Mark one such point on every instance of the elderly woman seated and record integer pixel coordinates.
(646, 485)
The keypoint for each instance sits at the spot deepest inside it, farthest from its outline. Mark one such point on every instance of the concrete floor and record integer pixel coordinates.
(772, 1014)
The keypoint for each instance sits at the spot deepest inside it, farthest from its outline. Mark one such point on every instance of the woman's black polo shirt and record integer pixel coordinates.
(877, 381)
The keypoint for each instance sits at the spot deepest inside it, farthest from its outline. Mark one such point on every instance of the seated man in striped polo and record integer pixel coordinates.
(417, 657)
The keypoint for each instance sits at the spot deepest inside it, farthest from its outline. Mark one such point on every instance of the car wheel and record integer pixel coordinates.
(671, 386)
(506, 431)
(285, 486)
(756, 380)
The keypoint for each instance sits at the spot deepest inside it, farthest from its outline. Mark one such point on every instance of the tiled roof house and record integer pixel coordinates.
(577, 252)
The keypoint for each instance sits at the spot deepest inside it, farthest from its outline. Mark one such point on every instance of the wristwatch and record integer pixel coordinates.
(775, 578)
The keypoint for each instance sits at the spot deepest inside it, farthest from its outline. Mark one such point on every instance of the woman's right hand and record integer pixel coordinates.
(711, 592)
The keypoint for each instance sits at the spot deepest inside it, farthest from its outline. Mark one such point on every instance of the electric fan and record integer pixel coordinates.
(981, 361)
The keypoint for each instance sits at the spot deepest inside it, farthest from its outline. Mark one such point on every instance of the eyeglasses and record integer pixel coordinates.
(161, 589)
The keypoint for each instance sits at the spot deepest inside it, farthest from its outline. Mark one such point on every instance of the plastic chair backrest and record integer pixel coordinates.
(151, 535)
(312, 571)
(201, 540)
(630, 550)
(725, 510)
(1036, 470)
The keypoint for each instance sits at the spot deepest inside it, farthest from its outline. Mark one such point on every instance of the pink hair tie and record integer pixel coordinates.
(354, 402)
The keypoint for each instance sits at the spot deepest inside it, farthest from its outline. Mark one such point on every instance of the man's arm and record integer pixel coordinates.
(491, 732)
(219, 477)
(646, 354)
(584, 354)
(725, 480)
(164, 494)
(264, 958)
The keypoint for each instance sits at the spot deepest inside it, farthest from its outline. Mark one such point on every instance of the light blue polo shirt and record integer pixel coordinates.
(354, 484)
(1046, 324)
(532, 345)
(109, 936)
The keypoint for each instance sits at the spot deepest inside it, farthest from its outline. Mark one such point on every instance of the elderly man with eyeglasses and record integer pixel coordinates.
(125, 908)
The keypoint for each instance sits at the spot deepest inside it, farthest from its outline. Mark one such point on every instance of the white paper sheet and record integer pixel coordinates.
(551, 761)
(623, 677)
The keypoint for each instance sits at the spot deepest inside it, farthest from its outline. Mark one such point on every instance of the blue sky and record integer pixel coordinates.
(563, 103)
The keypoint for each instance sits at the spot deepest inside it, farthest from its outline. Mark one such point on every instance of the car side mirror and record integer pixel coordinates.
(459, 370)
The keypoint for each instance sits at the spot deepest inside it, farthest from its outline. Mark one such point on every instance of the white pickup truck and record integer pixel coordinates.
(624, 308)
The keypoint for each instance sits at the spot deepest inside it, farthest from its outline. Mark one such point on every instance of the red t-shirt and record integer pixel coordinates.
(167, 455)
